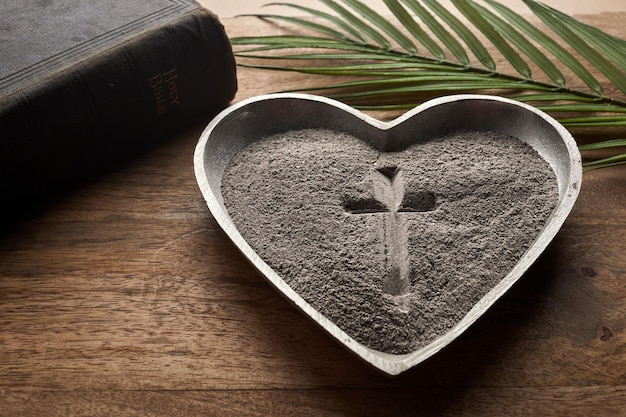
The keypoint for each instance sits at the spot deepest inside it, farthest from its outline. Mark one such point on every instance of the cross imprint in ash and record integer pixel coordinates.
(391, 199)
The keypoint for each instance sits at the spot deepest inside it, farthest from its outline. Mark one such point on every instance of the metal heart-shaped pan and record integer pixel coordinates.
(261, 116)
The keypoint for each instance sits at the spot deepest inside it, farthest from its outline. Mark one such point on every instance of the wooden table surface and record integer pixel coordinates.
(123, 297)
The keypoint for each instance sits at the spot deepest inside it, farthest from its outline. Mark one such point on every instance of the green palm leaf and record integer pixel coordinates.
(474, 16)
(463, 32)
(543, 39)
(358, 24)
(522, 43)
(324, 16)
(587, 51)
(304, 23)
(392, 66)
(414, 28)
(446, 38)
(384, 25)
(609, 45)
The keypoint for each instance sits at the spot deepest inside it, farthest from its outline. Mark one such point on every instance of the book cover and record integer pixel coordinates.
(84, 84)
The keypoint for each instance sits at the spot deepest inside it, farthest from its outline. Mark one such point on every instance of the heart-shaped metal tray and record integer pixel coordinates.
(259, 117)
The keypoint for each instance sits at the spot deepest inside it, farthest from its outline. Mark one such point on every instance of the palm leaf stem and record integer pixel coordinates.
(556, 97)
(583, 108)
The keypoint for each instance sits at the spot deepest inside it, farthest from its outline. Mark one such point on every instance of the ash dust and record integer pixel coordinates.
(392, 276)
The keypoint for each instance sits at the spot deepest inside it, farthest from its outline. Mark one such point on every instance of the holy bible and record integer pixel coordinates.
(86, 83)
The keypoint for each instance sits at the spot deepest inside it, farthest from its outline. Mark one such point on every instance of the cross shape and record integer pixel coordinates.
(390, 198)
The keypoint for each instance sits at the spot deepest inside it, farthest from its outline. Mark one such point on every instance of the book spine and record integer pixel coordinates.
(113, 105)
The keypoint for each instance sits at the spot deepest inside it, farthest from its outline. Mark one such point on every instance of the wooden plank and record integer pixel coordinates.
(480, 401)
(123, 297)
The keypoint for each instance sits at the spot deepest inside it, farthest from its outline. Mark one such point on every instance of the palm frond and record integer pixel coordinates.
(429, 51)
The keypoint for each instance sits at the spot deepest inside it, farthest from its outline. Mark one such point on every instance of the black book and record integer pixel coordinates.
(86, 83)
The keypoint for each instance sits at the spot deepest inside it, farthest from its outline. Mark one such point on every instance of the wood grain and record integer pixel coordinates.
(122, 297)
